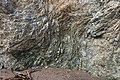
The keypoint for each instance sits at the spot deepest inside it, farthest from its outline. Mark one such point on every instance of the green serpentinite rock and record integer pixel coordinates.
(74, 34)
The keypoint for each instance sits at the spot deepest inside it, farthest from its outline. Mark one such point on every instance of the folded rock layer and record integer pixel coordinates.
(73, 34)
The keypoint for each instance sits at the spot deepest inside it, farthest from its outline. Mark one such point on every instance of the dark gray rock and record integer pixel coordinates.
(7, 6)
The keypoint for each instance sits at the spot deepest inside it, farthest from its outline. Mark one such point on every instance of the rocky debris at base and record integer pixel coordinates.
(46, 74)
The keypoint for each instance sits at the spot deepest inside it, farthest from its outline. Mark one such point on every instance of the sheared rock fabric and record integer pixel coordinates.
(74, 34)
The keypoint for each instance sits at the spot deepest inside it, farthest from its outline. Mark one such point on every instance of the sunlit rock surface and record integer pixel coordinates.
(74, 34)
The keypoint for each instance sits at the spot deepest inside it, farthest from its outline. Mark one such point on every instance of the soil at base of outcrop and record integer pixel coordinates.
(46, 74)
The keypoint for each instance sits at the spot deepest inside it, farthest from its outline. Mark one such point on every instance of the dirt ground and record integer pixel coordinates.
(46, 74)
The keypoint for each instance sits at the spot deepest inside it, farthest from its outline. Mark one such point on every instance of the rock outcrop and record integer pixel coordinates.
(74, 34)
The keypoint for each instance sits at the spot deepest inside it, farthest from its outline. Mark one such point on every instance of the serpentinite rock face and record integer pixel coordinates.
(61, 33)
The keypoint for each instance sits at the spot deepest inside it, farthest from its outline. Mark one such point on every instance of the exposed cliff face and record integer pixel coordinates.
(71, 34)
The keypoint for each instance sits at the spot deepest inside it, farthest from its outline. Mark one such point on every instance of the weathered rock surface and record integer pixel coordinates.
(47, 74)
(61, 33)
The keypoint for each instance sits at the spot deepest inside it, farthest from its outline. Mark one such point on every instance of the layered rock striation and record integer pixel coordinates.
(79, 34)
